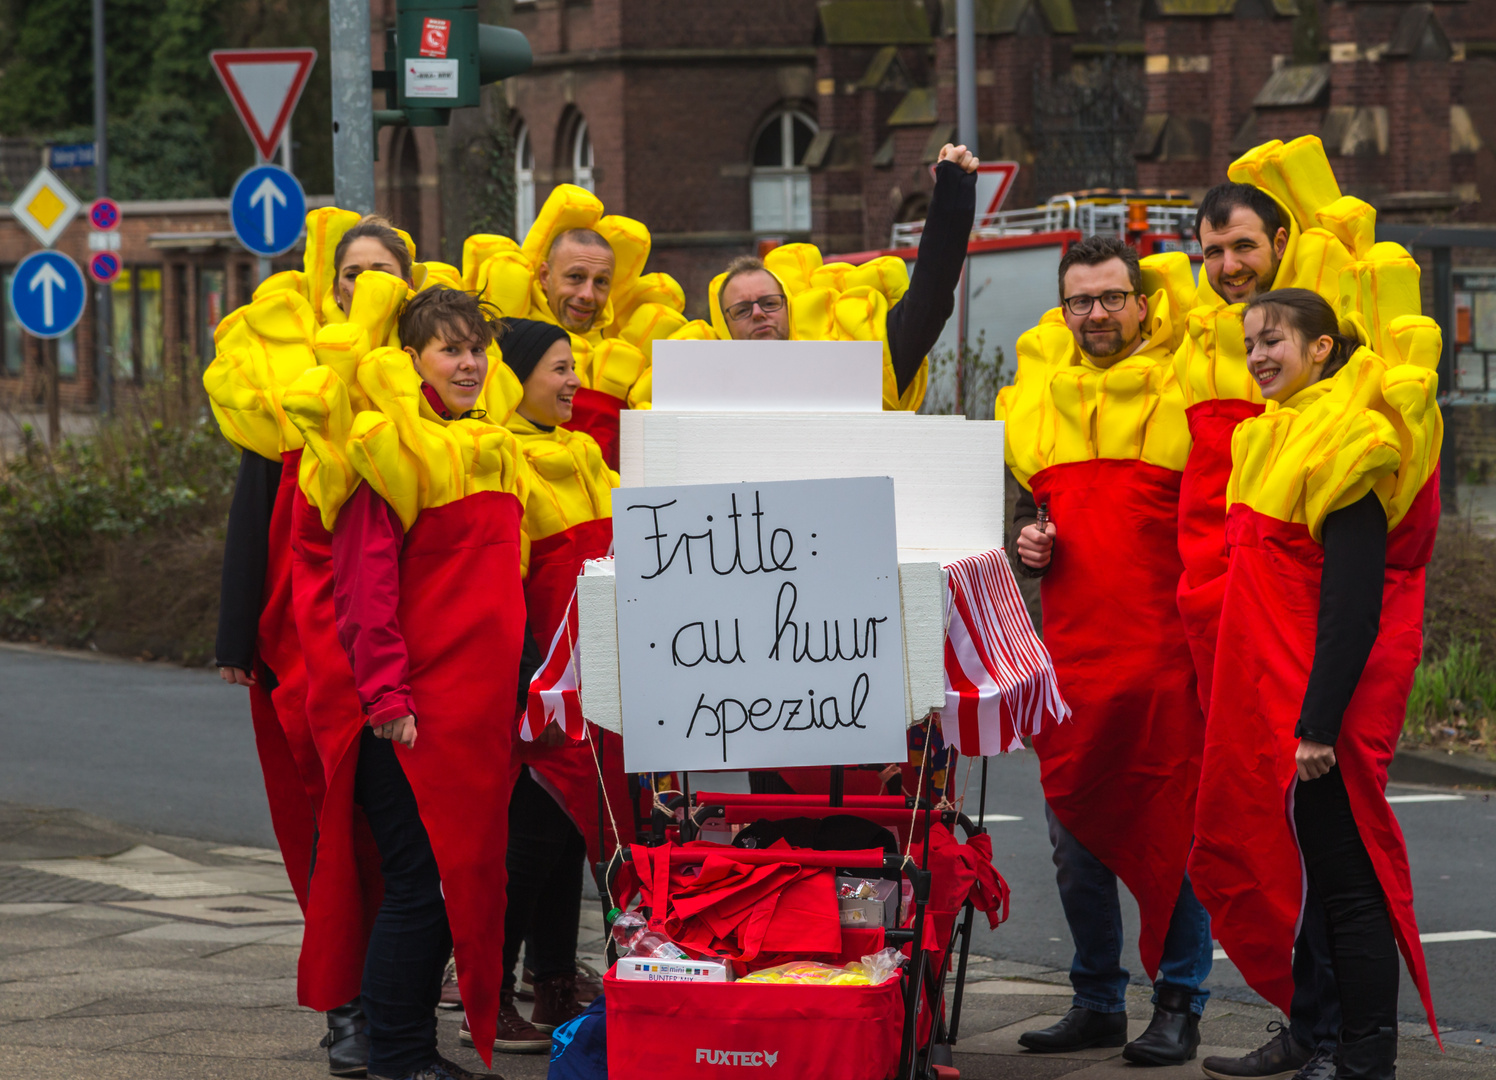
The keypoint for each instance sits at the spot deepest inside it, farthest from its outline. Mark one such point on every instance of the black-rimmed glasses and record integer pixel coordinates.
(1114, 300)
(767, 304)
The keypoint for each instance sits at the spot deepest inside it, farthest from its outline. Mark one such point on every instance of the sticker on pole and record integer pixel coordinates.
(47, 293)
(264, 85)
(759, 625)
(104, 267)
(267, 210)
(46, 206)
(103, 215)
(434, 35)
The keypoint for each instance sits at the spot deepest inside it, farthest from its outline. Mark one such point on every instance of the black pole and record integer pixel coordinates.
(838, 785)
(103, 294)
(1444, 316)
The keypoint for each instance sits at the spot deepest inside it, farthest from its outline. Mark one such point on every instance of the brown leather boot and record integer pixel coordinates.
(514, 1035)
(556, 1001)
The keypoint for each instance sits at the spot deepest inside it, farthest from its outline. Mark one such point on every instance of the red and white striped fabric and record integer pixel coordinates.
(556, 689)
(1000, 683)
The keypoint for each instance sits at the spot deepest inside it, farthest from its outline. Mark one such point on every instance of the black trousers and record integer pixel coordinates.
(545, 861)
(1314, 1012)
(411, 940)
(1362, 945)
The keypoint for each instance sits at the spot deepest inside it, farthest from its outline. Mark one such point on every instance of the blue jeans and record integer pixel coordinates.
(410, 940)
(1088, 893)
(1314, 1012)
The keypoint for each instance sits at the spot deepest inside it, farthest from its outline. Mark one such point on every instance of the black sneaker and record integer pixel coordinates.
(442, 1069)
(1321, 1066)
(1278, 1059)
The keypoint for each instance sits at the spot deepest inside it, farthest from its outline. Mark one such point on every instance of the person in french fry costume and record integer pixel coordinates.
(422, 497)
(792, 295)
(553, 812)
(1332, 507)
(584, 271)
(1258, 231)
(263, 642)
(1097, 436)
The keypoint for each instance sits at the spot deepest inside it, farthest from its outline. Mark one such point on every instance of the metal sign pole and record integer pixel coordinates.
(103, 294)
(966, 74)
(352, 106)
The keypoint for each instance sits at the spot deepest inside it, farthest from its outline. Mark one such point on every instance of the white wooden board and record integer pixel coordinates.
(774, 376)
(759, 624)
(947, 471)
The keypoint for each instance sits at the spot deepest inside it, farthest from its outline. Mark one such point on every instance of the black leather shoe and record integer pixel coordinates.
(1371, 1058)
(1279, 1059)
(346, 1042)
(1172, 1036)
(1078, 1029)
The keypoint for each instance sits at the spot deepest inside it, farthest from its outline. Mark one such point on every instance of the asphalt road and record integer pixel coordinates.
(1450, 847)
(171, 750)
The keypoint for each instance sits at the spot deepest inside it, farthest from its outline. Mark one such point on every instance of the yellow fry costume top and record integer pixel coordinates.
(613, 357)
(1102, 448)
(875, 300)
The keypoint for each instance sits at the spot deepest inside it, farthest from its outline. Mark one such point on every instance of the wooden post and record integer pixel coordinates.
(49, 374)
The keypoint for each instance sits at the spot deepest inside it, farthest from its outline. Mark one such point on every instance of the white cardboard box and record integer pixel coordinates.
(652, 969)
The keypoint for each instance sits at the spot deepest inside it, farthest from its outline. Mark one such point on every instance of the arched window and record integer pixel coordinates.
(581, 157)
(524, 183)
(781, 183)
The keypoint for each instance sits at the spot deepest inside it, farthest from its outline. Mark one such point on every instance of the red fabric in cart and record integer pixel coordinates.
(708, 1030)
(733, 908)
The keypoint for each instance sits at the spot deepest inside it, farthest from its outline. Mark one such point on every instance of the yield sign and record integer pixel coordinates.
(264, 85)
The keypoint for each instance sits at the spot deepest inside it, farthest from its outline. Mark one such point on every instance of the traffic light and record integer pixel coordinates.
(436, 58)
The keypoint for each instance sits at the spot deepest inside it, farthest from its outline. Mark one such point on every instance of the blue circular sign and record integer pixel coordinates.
(104, 267)
(47, 293)
(267, 210)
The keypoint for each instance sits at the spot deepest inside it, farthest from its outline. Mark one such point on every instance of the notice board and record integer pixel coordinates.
(759, 625)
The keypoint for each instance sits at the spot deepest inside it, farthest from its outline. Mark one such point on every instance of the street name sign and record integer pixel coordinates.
(759, 625)
(71, 156)
(267, 210)
(47, 293)
(264, 85)
(46, 206)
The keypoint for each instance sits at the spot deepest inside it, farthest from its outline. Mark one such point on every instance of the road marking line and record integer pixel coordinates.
(1456, 935)
(1001, 817)
(1219, 954)
(1425, 798)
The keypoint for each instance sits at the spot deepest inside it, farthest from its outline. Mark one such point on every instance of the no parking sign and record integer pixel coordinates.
(104, 267)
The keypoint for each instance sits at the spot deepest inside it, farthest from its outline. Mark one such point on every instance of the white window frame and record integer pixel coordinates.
(524, 183)
(582, 160)
(780, 195)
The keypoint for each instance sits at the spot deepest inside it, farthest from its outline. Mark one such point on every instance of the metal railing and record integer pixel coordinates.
(1062, 213)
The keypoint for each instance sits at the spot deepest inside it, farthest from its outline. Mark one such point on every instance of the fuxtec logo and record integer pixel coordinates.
(737, 1057)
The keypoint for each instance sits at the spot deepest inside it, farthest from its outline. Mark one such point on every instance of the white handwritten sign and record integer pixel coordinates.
(758, 625)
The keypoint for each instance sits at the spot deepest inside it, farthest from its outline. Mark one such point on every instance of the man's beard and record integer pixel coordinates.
(569, 323)
(1103, 344)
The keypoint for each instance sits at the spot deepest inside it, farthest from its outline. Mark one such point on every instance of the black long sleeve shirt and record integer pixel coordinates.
(915, 322)
(1350, 611)
(246, 553)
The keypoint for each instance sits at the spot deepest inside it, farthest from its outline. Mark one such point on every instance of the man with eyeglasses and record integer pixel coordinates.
(756, 307)
(1096, 436)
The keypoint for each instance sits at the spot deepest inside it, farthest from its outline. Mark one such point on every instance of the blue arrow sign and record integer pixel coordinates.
(47, 293)
(267, 210)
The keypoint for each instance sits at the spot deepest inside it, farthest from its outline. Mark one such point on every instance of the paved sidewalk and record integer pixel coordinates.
(131, 955)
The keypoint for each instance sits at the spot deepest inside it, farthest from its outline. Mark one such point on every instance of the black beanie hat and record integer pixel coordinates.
(525, 341)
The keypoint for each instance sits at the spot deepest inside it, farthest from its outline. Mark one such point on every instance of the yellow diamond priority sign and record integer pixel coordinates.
(46, 206)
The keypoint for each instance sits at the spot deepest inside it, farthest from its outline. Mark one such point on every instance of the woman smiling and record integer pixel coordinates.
(1333, 506)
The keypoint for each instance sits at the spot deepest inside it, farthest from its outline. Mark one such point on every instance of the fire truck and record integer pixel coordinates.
(1013, 257)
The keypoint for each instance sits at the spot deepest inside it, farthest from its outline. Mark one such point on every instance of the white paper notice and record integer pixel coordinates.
(431, 78)
(758, 625)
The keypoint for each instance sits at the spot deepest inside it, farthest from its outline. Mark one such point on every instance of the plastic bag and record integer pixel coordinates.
(871, 970)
